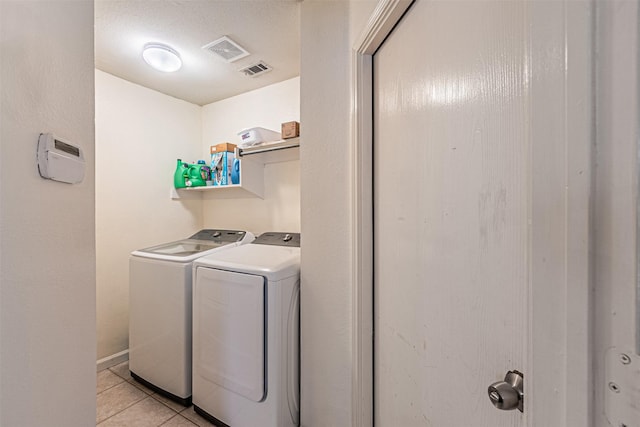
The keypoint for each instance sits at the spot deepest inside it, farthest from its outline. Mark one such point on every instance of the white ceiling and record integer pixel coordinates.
(268, 29)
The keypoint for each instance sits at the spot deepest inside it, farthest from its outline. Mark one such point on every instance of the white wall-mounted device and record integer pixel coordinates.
(59, 160)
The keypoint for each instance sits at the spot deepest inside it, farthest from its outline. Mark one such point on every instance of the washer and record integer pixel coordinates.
(160, 309)
(246, 333)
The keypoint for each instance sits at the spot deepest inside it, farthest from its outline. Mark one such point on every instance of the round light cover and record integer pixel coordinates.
(161, 57)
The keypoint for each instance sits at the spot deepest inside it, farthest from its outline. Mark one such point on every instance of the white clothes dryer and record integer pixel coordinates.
(246, 333)
(160, 309)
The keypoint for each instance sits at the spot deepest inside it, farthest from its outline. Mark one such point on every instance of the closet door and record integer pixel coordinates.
(451, 206)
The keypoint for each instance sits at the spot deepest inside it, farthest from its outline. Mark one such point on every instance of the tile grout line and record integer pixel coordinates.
(118, 375)
(177, 415)
(139, 386)
(148, 393)
(183, 408)
(109, 388)
(124, 409)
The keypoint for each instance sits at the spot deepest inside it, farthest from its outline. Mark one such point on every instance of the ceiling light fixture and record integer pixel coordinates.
(161, 57)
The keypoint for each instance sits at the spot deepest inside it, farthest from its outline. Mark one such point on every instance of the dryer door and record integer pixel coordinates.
(229, 326)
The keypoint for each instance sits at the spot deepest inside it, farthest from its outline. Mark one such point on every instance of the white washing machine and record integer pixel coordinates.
(246, 333)
(160, 309)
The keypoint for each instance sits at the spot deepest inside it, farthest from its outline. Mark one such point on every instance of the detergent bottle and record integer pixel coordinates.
(195, 176)
(180, 175)
(205, 171)
(235, 172)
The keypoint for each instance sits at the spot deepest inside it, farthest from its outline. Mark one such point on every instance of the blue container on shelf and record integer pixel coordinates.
(235, 172)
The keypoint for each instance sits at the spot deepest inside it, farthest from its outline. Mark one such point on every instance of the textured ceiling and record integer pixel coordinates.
(268, 29)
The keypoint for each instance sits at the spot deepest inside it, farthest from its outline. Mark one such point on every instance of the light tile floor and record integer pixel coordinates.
(123, 402)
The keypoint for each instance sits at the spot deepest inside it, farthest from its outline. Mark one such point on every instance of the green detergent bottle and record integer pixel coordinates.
(195, 177)
(180, 175)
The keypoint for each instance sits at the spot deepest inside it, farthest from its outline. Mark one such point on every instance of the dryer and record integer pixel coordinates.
(160, 310)
(246, 333)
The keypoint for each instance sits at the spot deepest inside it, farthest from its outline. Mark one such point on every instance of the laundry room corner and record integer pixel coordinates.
(139, 135)
(279, 208)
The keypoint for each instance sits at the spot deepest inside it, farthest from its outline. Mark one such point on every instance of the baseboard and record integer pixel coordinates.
(112, 360)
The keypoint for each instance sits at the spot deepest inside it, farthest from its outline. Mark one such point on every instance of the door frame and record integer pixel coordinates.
(562, 329)
(382, 21)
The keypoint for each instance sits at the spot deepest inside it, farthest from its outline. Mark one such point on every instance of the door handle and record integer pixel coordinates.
(508, 394)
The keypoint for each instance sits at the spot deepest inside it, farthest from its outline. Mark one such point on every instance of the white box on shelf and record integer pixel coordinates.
(257, 135)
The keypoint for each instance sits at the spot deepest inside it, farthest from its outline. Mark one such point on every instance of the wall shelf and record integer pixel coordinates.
(251, 172)
(251, 185)
(273, 152)
(235, 191)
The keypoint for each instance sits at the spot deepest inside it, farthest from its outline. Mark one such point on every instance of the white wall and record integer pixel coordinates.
(268, 107)
(47, 238)
(328, 31)
(139, 135)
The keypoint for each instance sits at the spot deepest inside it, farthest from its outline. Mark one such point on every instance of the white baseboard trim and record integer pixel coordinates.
(112, 360)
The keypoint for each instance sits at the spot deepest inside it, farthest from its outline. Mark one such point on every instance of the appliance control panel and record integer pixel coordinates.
(219, 235)
(278, 239)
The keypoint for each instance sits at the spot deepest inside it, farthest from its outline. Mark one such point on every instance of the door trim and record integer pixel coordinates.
(384, 18)
(564, 362)
(562, 141)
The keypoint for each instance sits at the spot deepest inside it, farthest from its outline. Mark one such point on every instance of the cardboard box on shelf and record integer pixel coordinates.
(223, 146)
(290, 130)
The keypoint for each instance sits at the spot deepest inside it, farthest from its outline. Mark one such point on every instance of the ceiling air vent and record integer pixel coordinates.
(226, 49)
(256, 69)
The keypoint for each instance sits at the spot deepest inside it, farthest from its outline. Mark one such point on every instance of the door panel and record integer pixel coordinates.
(451, 203)
(229, 326)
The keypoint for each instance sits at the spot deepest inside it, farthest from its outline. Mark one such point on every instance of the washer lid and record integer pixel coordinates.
(201, 243)
(182, 248)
